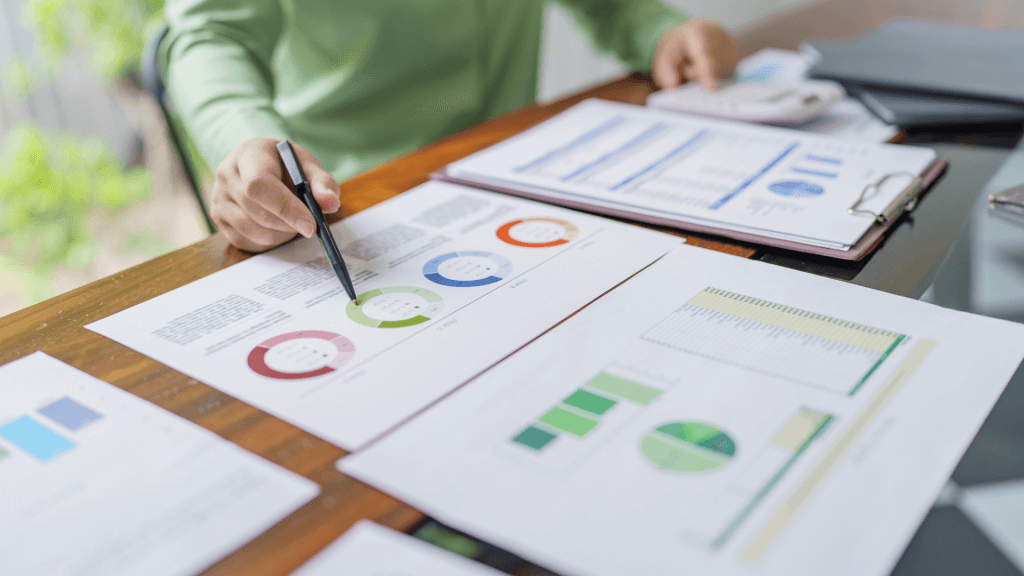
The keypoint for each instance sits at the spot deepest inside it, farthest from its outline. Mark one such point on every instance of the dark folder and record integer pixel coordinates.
(930, 73)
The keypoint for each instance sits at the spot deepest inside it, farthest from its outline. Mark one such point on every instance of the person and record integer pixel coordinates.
(357, 82)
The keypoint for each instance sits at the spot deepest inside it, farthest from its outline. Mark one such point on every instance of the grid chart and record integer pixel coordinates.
(781, 341)
(721, 516)
(564, 435)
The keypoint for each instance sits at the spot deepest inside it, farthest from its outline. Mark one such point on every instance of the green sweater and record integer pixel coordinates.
(359, 82)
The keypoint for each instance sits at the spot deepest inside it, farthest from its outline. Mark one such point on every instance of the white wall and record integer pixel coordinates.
(569, 63)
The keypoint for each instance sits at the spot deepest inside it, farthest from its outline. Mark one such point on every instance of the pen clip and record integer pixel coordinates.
(905, 201)
(291, 164)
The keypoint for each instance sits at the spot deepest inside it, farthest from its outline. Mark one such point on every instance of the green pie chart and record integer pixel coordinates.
(688, 447)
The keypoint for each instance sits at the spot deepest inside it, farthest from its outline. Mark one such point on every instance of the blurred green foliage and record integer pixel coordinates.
(49, 185)
(112, 32)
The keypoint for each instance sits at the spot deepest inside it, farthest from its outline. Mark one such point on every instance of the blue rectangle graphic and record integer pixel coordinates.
(70, 414)
(815, 172)
(35, 439)
(824, 159)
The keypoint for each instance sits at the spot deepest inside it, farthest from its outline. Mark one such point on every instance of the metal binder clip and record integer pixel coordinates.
(905, 201)
(1011, 200)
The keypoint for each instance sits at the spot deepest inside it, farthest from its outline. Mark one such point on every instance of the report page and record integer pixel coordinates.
(95, 481)
(450, 280)
(713, 413)
(763, 180)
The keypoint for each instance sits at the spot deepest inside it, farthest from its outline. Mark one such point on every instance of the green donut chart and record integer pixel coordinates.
(688, 447)
(395, 307)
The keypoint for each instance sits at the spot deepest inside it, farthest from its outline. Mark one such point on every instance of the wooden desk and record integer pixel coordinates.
(56, 327)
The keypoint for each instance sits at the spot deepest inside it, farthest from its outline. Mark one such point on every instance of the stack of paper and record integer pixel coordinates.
(713, 415)
(699, 173)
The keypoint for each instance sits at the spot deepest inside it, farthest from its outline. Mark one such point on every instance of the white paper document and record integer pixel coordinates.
(762, 180)
(712, 415)
(369, 549)
(95, 481)
(847, 118)
(451, 280)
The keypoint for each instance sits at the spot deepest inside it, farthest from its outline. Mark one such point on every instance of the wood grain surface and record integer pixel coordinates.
(57, 326)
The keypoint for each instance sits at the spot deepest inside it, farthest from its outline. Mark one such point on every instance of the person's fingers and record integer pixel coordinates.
(701, 65)
(260, 174)
(324, 186)
(244, 233)
(669, 59)
(262, 216)
(724, 50)
(258, 237)
(221, 213)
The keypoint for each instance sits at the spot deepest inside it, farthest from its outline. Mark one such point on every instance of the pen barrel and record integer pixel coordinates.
(327, 241)
(338, 263)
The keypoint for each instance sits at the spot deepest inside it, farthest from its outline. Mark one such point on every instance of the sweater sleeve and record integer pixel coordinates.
(628, 29)
(216, 61)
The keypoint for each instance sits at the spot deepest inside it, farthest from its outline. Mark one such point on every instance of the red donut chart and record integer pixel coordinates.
(258, 357)
(569, 231)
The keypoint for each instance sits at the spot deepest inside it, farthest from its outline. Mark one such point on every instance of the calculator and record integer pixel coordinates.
(771, 103)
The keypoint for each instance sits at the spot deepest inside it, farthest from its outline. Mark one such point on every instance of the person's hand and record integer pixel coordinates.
(695, 50)
(253, 206)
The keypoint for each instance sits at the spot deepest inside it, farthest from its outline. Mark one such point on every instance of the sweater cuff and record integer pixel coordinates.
(650, 35)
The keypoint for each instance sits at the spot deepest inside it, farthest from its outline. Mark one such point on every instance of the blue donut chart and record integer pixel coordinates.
(501, 270)
(796, 189)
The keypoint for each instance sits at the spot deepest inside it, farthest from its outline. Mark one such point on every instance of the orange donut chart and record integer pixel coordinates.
(539, 233)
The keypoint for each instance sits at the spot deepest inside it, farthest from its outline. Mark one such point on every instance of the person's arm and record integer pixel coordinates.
(217, 57)
(217, 64)
(648, 36)
(628, 29)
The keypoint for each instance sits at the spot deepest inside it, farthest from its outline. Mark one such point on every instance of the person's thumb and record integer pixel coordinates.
(325, 190)
(321, 183)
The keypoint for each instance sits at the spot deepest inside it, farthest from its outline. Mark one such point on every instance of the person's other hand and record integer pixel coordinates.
(695, 50)
(253, 206)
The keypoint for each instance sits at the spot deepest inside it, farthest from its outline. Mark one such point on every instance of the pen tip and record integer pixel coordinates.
(355, 301)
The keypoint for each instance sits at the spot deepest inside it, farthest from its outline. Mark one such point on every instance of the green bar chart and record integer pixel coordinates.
(624, 389)
(566, 432)
(568, 421)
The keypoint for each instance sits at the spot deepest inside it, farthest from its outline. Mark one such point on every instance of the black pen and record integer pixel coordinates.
(323, 231)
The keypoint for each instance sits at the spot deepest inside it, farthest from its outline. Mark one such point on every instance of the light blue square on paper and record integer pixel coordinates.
(70, 414)
(35, 439)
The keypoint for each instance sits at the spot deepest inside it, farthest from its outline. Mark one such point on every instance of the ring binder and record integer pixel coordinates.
(905, 202)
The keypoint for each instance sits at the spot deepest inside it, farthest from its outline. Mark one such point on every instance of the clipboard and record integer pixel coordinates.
(885, 220)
